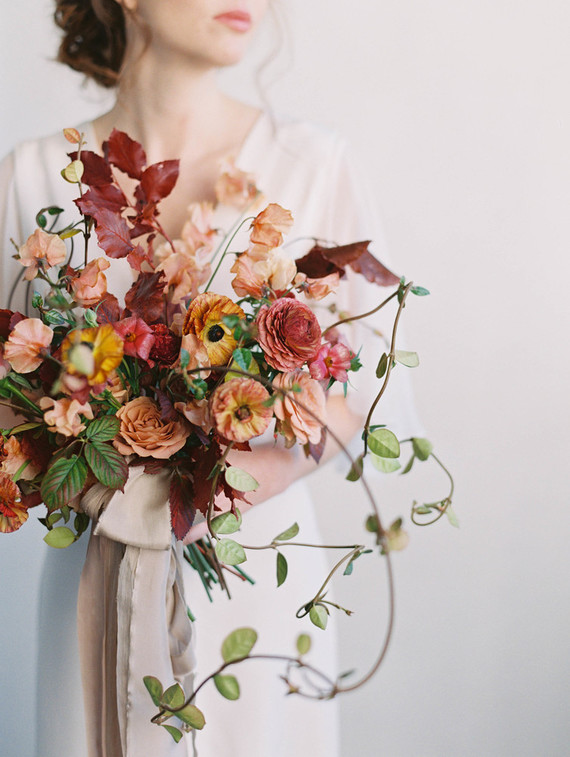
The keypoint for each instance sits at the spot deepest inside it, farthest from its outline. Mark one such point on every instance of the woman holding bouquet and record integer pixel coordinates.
(162, 58)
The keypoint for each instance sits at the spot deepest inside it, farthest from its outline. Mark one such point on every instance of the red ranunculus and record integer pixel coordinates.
(289, 334)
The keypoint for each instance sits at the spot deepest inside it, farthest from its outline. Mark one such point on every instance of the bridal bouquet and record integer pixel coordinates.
(177, 375)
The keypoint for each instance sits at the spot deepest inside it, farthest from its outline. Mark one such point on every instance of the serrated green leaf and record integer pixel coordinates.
(230, 552)
(176, 733)
(319, 616)
(419, 291)
(192, 716)
(240, 479)
(385, 464)
(451, 516)
(409, 359)
(227, 523)
(154, 688)
(290, 533)
(173, 697)
(103, 429)
(422, 448)
(64, 480)
(303, 643)
(282, 569)
(228, 686)
(238, 644)
(60, 537)
(355, 471)
(107, 464)
(384, 443)
(382, 366)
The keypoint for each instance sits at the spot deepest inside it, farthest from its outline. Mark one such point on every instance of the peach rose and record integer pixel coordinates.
(26, 343)
(144, 432)
(91, 284)
(63, 418)
(38, 247)
(296, 422)
(289, 333)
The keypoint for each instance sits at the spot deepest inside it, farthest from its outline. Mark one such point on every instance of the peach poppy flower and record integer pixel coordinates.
(198, 355)
(239, 409)
(268, 227)
(26, 344)
(183, 271)
(15, 459)
(38, 247)
(204, 319)
(63, 418)
(12, 513)
(296, 422)
(144, 432)
(317, 289)
(258, 278)
(198, 232)
(235, 187)
(91, 284)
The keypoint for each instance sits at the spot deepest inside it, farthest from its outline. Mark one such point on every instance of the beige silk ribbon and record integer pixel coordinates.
(132, 618)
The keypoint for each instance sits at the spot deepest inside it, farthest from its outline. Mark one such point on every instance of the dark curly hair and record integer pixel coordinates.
(94, 38)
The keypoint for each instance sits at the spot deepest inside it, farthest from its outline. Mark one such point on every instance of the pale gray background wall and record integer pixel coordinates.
(458, 111)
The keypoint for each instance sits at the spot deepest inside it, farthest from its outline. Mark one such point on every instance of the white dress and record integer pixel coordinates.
(303, 168)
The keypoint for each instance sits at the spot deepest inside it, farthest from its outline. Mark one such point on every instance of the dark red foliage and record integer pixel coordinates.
(182, 508)
(108, 309)
(315, 265)
(374, 271)
(145, 298)
(316, 450)
(206, 459)
(5, 318)
(33, 499)
(124, 153)
(167, 411)
(96, 169)
(137, 257)
(322, 261)
(157, 182)
(106, 196)
(166, 347)
(37, 450)
(113, 234)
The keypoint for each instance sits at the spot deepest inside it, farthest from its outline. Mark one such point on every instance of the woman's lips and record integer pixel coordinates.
(239, 21)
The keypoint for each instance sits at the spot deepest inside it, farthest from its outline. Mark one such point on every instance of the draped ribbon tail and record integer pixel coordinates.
(132, 619)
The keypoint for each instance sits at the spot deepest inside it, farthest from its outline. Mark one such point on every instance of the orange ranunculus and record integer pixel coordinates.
(144, 432)
(239, 409)
(91, 284)
(268, 227)
(63, 418)
(235, 187)
(26, 343)
(94, 353)
(204, 319)
(12, 513)
(296, 422)
(15, 459)
(38, 247)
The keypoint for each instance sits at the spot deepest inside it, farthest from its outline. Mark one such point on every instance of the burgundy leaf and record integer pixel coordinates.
(316, 450)
(108, 309)
(96, 169)
(113, 234)
(375, 271)
(167, 411)
(139, 227)
(105, 196)
(182, 509)
(125, 153)
(145, 298)
(32, 499)
(5, 317)
(36, 450)
(158, 181)
(233, 494)
(322, 261)
(205, 462)
(315, 265)
(137, 257)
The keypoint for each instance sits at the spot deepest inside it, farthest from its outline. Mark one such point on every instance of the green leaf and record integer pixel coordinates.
(54, 517)
(319, 616)
(290, 533)
(176, 733)
(382, 366)
(173, 697)
(81, 523)
(422, 448)
(451, 516)
(303, 643)
(107, 464)
(192, 716)
(90, 318)
(228, 686)
(64, 480)
(230, 552)
(408, 467)
(422, 510)
(41, 220)
(282, 569)
(355, 471)
(410, 359)
(385, 464)
(227, 523)
(184, 358)
(243, 358)
(103, 429)
(419, 291)
(384, 443)
(240, 479)
(60, 537)
(238, 644)
(154, 688)
(371, 524)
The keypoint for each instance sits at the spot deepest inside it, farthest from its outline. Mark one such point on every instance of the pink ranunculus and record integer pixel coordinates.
(38, 247)
(26, 343)
(235, 187)
(289, 333)
(91, 284)
(137, 335)
(64, 415)
(331, 360)
(303, 424)
(144, 432)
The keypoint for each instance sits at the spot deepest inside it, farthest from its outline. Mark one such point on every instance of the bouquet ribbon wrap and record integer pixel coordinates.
(132, 618)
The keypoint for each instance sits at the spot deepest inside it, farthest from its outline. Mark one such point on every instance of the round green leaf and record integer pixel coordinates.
(174, 732)
(409, 359)
(303, 643)
(154, 688)
(173, 697)
(422, 447)
(282, 569)
(451, 516)
(192, 716)
(228, 686)
(384, 443)
(290, 533)
(319, 616)
(230, 552)
(355, 471)
(238, 644)
(385, 464)
(240, 479)
(60, 537)
(382, 366)
(227, 523)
